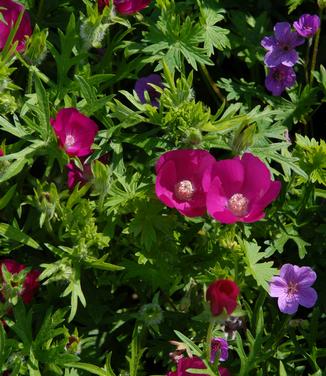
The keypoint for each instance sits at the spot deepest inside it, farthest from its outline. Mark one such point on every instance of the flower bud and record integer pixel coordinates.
(321, 4)
(36, 49)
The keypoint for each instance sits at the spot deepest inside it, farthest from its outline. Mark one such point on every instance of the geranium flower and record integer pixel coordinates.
(10, 11)
(75, 131)
(281, 46)
(293, 288)
(125, 6)
(195, 363)
(279, 78)
(240, 190)
(31, 283)
(307, 25)
(222, 294)
(219, 345)
(142, 85)
(180, 178)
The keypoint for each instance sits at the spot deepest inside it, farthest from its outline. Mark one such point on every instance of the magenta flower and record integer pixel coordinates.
(219, 345)
(30, 285)
(281, 46)
(240, 190)
(307, 25)
(279, 78)
(142, 85)
(293, 288)
(180, 178)
(195, 363)
(10, 11)
(125, 6)
(75, 131)
(76, 175)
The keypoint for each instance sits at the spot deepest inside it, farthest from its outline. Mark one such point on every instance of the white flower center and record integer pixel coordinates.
(292, 288)
(70, 140)
(238, 204)
(184, 190)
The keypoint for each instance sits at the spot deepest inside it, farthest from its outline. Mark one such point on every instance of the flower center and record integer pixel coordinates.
(238, 205)
(292, 289)
(70, 140)
(279, 75)
(184, 190)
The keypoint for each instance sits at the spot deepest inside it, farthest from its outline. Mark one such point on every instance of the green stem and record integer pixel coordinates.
(211, 83)
(209, 339)
(306, 62)
(315, 50)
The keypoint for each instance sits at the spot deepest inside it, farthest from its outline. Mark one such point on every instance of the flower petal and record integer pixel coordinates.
(307, 297)
(289, 306)
(277, 287)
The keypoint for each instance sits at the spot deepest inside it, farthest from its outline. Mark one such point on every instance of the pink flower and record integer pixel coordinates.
(31, 283)
(125, 6)
(1, 153)
(75, 131)
(222, 294)
(180, 178)
(195, 363)
(240, 190)
(293, 287)
(76, 175)
(10, 11)
(307, 25)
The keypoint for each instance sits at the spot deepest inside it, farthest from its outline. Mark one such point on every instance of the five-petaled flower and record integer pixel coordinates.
(240, 190)
(30, 285)
(10, 11)
(293, 288)
(307, 25)
(143, 84)
(222, 295)
(75, 131)
(279, 78)
(181, 175)
(281, 46)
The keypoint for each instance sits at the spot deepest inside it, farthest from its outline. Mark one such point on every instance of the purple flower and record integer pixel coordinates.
(279, 78)
(292, 288)
(281, 46)
(219, 345)
(142, 85)
(307, 25)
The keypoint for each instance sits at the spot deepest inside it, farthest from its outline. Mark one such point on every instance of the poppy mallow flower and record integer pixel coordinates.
(143, 84)
(180, 180)
(31, 283)
(281, 47)
(307, 25)
(240, 190)
(222, 295)
(125, 6)
(293, 288)
(195, 363)
(279, 78)
(75, 131)
(10, 11)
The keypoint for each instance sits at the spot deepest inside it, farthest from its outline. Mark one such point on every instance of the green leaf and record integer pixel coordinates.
(90, 368)
(263, 271)
(293, 4)
(17, 235)
(195, 350)
(5, 199)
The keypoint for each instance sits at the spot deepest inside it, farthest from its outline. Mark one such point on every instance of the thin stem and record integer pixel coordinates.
(307, 60)
(211, 83)
(209, 338)
(315, 50)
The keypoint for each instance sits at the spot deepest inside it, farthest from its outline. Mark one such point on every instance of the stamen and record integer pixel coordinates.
(238, 204)
(70, 140)
(184, 190)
